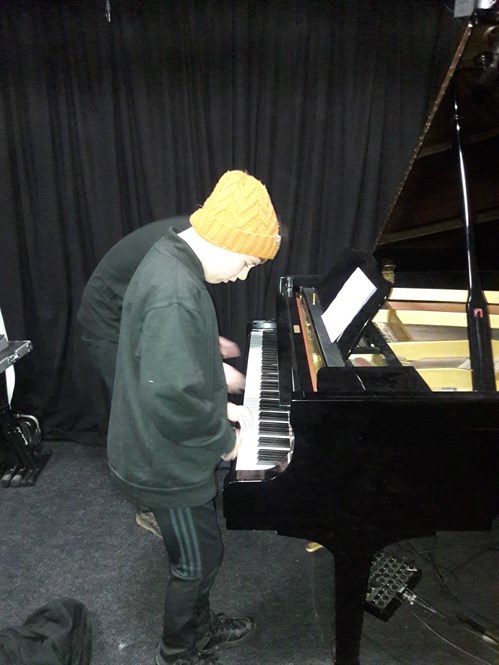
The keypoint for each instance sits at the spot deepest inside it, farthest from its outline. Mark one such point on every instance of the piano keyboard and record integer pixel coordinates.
(269, 441)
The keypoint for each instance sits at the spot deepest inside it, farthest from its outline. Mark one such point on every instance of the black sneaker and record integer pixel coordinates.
(197, 659)
(225, 632)
(207, 659)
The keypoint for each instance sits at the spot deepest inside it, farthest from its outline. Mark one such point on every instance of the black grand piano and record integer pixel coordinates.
(393, 432)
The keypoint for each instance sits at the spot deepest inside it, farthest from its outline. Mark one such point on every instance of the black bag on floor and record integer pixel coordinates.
(59, 633)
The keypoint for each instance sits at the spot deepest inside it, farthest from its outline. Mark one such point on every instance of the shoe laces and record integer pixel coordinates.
(221, 621)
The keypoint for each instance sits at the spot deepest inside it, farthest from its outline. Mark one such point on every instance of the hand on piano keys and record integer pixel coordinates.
(244, 418)
(228, 348)
(234, 379)
(240, 415)
(228, 457)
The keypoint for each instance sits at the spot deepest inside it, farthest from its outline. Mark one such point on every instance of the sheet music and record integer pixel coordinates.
(352, 296)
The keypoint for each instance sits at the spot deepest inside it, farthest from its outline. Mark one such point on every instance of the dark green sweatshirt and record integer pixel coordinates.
(168, 425)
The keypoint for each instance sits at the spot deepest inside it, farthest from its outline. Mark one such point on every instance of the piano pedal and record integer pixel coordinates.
(313, 547)
(390, 578)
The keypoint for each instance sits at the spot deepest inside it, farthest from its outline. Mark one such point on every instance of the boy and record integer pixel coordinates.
(169, 418)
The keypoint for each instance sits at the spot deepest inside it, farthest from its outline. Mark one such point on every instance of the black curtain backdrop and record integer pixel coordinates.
(109, 125)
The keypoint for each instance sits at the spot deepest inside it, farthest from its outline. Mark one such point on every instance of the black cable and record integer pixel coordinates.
(489, 640)
(444, 639)
(453, 595)
(437, 571)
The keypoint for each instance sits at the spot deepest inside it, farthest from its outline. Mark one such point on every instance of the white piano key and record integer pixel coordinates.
(262, 381)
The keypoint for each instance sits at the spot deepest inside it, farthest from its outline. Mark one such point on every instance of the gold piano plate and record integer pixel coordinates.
(442, 363)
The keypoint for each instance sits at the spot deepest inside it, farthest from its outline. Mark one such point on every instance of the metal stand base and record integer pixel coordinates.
(21, 455)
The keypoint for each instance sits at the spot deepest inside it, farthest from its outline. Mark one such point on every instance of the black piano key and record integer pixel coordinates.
(268, 394)
(267, 384)
(270, 457)
(277, 419)
(269, 427)
(270, 410)
(273, 443)
(269, 453)
(268, 403)
(281, 415)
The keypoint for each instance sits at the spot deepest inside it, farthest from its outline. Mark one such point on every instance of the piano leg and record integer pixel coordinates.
(351, 577)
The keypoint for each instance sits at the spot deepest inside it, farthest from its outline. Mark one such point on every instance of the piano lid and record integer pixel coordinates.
(427, 209)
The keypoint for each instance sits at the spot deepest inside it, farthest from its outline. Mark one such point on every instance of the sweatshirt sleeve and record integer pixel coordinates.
(176, 380)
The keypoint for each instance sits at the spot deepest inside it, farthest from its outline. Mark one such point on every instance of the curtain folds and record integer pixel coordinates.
(107, 126)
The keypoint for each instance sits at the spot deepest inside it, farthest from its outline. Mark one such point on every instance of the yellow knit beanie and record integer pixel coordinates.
(239, 216)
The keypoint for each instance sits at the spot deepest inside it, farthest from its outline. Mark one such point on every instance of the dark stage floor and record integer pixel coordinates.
(72, 534)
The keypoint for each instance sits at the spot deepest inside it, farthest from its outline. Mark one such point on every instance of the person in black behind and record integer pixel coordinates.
(99, 314)
(170, 420)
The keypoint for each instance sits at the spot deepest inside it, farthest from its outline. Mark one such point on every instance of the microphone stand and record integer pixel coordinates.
(481, 358)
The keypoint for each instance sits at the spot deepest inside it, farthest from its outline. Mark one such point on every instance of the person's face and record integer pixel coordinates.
(230, 266)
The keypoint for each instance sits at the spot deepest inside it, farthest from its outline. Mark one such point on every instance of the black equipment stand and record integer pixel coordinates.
(481, 357)
(22, 458)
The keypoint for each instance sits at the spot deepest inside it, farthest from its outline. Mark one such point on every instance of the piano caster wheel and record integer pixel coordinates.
(313, 547)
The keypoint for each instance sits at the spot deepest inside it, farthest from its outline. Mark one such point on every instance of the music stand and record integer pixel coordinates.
(25, 460)
(319, 299)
